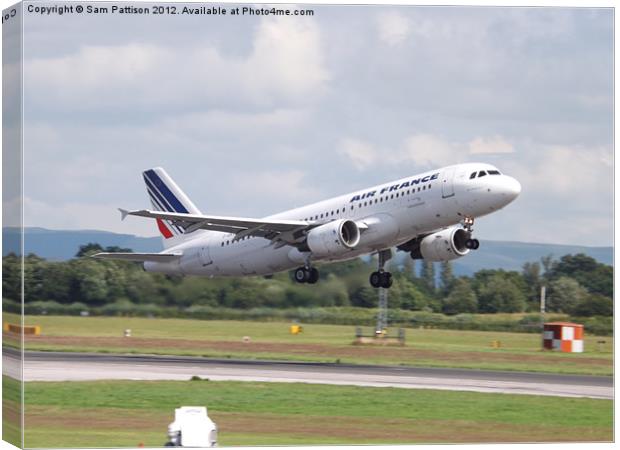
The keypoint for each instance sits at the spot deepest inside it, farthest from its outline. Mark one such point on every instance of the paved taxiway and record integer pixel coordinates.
(58, 366)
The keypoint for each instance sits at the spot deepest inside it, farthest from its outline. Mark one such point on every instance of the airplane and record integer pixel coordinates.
(429, 215)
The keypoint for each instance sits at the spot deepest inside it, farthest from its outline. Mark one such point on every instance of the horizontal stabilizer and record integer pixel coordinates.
(140, 257)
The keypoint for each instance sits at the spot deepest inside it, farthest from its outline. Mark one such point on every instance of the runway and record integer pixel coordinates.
(61, 366)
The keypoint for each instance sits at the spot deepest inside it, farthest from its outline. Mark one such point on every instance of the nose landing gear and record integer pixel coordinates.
(472, 244)
(468, 225)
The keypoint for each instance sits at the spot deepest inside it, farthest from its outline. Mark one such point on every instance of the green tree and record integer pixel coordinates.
(405, 294)
(565, 294)
(192, 291)
(595, 277)
(500, 294)
(446, 277)
(364, 296)
(462, 298)
(88, 249)
(532, 280)
(427, 276)
(143, 288)
(409, 268)
(594, 305)
(34, 278)
(88, 282)
(11, 277)
(57, 277)
(547, 263)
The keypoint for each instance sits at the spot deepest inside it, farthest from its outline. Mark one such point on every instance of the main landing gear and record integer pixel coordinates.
(468, 225)
(381, 278)
(307, 275)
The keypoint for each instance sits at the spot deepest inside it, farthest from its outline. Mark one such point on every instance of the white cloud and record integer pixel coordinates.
(361, 154)
(285, 66)
(205, 125)
(424, 150)
(393, 28)
(576, 173)
(493, 145)
(274, 187)
(427, 150)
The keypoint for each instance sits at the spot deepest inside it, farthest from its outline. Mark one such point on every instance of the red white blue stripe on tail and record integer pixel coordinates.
(165, 195)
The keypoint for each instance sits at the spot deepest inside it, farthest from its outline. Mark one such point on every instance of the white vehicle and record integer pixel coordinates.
(192, 428)
(429, 215)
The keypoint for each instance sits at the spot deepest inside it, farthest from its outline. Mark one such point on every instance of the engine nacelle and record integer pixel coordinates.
(333, 238)
(444, 245)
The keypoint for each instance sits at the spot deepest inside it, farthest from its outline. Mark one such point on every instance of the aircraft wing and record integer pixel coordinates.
(285, 230)
(139, 257)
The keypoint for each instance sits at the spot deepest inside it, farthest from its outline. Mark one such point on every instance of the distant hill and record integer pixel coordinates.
(64, 244)
(512, 255)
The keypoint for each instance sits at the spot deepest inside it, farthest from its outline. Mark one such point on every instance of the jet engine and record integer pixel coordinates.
(444, 245)
(333, 238)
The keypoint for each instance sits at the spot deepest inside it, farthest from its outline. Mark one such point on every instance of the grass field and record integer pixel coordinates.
(127, 413)
(326, 343)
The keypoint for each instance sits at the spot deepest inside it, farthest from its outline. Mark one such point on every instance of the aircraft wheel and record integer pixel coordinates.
(302, 275)
(313, 276)
(375, 279)
(386, 280)
(476, 244)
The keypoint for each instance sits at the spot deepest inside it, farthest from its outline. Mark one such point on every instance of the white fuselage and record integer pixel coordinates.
(390, 214)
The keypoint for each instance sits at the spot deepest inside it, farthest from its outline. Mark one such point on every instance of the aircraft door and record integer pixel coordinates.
(447, 182)
(205, 256)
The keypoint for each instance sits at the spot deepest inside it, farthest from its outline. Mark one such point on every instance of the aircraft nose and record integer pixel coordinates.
(511, 188)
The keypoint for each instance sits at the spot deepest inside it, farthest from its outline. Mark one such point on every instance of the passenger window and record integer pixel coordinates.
(473, 175)
(392, 196)
(481, 173)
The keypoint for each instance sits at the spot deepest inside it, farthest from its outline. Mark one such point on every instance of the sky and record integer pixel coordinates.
(255, 115)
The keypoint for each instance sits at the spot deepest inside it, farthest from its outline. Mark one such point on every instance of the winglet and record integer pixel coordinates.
(124, 213)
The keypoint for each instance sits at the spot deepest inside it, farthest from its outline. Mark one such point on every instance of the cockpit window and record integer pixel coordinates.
(493, 172)
(473, 175)
(481, 173)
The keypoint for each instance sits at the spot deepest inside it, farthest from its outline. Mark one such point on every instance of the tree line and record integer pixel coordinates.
(575, 284)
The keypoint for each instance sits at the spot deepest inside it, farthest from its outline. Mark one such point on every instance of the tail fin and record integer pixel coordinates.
(165, 195)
